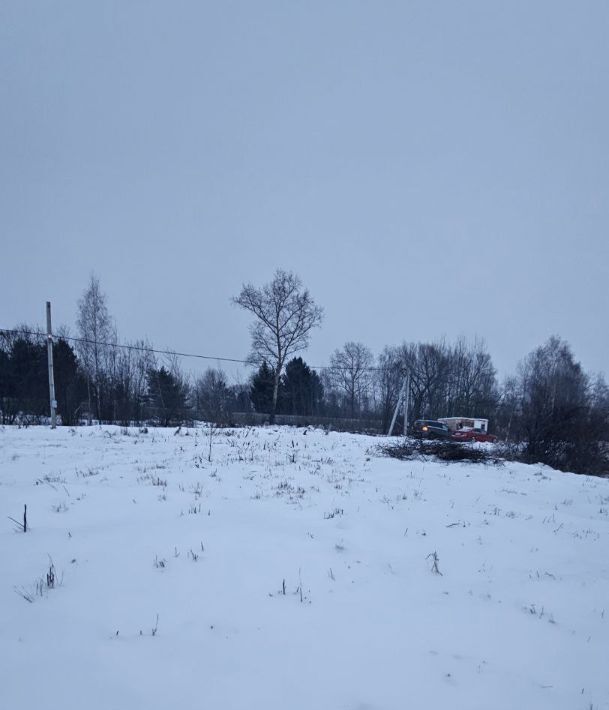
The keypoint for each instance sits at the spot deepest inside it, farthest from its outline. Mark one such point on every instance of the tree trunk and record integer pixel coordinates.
(90, 418)
(275, 395)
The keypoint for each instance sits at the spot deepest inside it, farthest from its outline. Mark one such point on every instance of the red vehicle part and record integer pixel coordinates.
(473, 435)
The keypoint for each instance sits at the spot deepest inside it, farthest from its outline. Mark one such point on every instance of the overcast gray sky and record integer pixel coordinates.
(428, 168)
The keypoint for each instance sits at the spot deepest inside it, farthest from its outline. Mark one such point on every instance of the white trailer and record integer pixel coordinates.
(457, 423)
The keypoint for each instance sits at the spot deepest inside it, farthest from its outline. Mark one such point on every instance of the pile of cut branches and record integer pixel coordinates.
(448, 451)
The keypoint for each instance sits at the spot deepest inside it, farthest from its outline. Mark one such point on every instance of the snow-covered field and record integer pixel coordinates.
(142, 524)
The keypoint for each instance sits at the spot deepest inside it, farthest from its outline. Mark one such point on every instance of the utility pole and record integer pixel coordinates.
(406, 402)
(51, 374)
(402, 397)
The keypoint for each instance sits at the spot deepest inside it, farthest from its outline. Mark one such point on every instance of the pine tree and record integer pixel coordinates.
(302, 389)
(261, 390)
(69, 383)
(167, 394)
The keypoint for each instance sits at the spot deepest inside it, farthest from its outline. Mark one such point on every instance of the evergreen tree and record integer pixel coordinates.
(24, 378)
(261, 390)
(70, 386)
(167, 393)
(6, 388)
(29, 374)
(302, 389)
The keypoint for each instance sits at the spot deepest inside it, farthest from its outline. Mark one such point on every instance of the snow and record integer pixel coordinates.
(142, 524)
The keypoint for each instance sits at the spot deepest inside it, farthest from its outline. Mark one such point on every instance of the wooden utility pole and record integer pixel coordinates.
(406, 402)
(401, 398)
(51, 374)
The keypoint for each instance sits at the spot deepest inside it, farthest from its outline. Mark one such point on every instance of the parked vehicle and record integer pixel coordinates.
(473, 435)
(430, 429)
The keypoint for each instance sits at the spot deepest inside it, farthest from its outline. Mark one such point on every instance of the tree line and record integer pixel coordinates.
(550, 410)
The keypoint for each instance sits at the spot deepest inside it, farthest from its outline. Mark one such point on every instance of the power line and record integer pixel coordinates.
(140, 348)
(127, 347)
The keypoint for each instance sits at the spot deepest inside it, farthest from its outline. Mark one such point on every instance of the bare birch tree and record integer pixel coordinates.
(97, 334)
(284, 316)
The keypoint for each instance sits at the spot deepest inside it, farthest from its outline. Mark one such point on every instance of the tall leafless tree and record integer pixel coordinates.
(554, 408)
(130, 383)
(97, 335)
(212, 397)
(429, 366)
(388, 381)
(472, 386)
(284, 316)
(350, 369)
